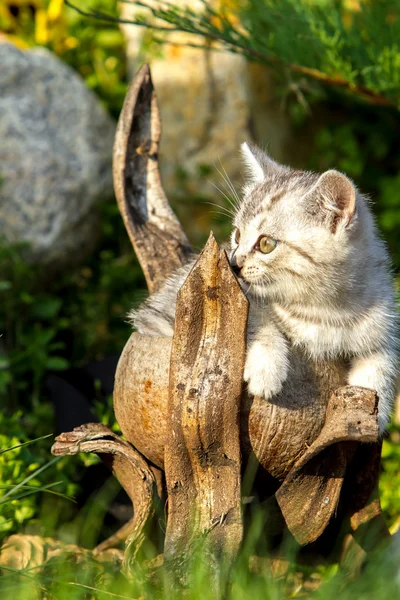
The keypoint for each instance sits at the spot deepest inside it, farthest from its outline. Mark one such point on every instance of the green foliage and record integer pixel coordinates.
(14, 465)
(360, 45)
(98, 295)
(50, 326)
(27, 317)
(87, 306)
(389, 484)
(356, 49)
(65, 577)
(98, 54)
(22, 474)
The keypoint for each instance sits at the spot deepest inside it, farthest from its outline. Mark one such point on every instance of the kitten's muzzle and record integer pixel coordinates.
(236, 268)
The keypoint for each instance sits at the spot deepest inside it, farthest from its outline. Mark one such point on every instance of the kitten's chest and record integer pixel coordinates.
(320, 337)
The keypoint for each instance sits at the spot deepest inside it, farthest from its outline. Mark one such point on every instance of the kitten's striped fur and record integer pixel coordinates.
(327, 287)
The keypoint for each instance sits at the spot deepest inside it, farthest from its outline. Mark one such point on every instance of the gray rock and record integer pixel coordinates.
(55, 156)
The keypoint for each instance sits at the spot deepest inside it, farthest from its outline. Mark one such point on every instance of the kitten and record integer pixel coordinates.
(306, 250)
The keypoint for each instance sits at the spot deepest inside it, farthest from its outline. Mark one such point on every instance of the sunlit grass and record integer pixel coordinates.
(260, 573)
(75, 579)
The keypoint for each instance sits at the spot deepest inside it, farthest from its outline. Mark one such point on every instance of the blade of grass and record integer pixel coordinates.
(66, 583)
(43, 437)
(35, 490)
(31, 476)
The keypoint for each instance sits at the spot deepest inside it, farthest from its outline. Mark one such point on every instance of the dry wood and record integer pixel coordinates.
(367, 523)
(190, 415)
(310, 493)
(277, 433)
(29, 552)
(360, 496)
(287, 435)
(157, 237)
(128, 466)
(202, 454)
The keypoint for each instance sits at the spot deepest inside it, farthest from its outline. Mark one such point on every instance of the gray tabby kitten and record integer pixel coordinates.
(307, 253)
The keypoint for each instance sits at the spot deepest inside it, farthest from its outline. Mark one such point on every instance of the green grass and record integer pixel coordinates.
(79, 578)
(74, 574)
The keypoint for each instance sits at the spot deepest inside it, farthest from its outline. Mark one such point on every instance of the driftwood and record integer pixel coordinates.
(31, 552)
(308, 443)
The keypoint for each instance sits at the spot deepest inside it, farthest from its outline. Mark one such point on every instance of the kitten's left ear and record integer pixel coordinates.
(336, 195)
(258, 163)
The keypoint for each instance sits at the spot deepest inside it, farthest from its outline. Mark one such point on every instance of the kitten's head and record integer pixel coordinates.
(294, 231)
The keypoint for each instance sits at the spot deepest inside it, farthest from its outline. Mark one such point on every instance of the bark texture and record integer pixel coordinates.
(157, 237)
(310, 493)
(131, 470)
(202, 453)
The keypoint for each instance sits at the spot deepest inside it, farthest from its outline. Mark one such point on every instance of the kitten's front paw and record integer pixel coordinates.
(264, 371)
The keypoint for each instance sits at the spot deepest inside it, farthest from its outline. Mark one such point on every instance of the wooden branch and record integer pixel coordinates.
(310, 493)
(155, 232)
(367, 523)
(131, 470)
(202, 454)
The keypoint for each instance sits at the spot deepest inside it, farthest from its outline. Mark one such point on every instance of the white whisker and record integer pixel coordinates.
(223, 209)
(222, 216)
(233, 201)
(224, 195)
(246, 292)
(227, 198)
(228, 181)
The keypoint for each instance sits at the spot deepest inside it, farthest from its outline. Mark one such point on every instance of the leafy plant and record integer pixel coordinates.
(21, 475)
(78, 576)
(52, 326)
(352, 47)
(389, 483)
(27, 352)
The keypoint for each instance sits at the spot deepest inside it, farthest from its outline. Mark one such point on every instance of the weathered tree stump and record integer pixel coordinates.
(202, 453)
(180, 404)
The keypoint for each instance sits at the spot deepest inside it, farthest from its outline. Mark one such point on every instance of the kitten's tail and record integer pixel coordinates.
(156, 316)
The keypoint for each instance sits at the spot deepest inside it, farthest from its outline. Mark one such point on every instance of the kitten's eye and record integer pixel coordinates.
(266, 244)
(237, 236)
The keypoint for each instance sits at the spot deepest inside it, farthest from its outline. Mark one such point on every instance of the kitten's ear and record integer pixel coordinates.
(258, 163)
(335, 194)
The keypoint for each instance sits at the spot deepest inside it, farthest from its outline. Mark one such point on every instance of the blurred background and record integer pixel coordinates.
(315, 82)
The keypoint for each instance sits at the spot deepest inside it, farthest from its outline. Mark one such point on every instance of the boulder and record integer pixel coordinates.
(55, 156)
